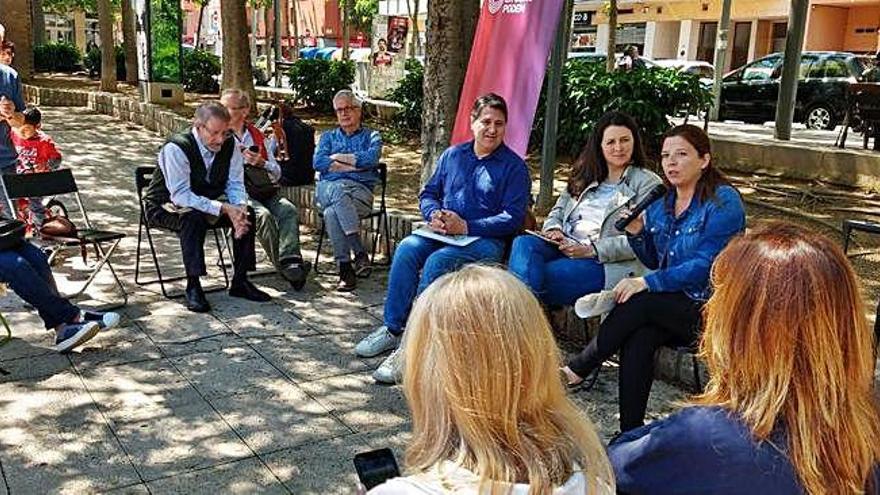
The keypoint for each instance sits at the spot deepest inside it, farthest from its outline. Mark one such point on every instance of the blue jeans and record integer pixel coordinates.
(553, 277)
(26, 270)
(433, 259)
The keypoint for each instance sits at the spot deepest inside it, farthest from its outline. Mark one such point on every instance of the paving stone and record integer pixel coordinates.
(359, 402)
(116, 346)
(168, 322)
(29, 335)
(178, 439)
(313, 357)
(267, 320)
(199, 345)
(320, 468)
(135, 392)
(34, 367)
(277, 416)
(54, 440)
(240, 477)
(396, 439)
(139, 489)
(335, 314)
(230, 371)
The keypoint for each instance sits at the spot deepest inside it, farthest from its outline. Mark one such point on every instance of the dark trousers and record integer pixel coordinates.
(637, 329)
(192, 228)
(27, 272)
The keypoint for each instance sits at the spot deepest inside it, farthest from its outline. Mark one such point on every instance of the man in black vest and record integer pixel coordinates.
(196, 170)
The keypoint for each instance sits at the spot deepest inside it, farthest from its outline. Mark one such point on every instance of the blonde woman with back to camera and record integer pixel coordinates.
(490, 413)
(790, 405)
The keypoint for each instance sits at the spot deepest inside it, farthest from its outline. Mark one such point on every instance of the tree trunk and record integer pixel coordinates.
(346, 28)
(237, 72)
(450, 31)
(108, 50)
(198, 40)
(413, 10)
(129, 42)
(267, 41)
(39, 22)
(295, 21)
(611, 61)
(17, 21)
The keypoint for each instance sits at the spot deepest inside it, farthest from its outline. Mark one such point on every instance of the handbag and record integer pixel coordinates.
(11, 233)
(258, 183)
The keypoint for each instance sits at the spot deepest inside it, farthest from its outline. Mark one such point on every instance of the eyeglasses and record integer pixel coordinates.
(348, 109)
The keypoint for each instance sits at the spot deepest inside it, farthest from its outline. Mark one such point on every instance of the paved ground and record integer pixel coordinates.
(249, 398)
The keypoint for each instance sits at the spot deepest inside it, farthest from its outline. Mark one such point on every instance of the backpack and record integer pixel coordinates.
(297, 170)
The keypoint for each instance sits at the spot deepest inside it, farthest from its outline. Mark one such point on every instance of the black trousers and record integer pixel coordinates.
(192, 228)
(637, 329)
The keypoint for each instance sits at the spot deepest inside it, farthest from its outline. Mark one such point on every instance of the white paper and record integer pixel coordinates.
(452, 240)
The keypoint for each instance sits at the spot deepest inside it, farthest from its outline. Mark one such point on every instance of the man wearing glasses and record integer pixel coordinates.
(277, 224)
(346, 158)
(200, 182)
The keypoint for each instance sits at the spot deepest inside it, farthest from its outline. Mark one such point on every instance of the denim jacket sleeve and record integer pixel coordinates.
(642, 245)
(725, 217)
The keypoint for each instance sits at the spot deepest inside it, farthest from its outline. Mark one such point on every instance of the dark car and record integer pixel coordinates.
(750, 92)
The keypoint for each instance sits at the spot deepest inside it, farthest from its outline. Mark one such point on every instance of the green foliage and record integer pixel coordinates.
(92, 62)
(165, 42)
(362, 15)
(409, 93)
(200, 69)
(57, 57)
(650, 96)
(314, 82)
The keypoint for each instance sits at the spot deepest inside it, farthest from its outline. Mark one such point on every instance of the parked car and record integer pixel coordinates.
(704, 70)
(750, 92)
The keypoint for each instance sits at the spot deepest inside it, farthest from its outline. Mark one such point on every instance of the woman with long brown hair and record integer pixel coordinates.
(490, 414)
(677, 238)
(790, 405)
(589, 253)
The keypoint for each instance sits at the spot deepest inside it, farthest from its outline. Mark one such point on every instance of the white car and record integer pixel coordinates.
(704, 70)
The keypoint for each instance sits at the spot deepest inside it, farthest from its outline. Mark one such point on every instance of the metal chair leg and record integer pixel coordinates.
(318, 252)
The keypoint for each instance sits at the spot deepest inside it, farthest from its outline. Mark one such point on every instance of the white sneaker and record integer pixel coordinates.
(378, 342)
(391, 369)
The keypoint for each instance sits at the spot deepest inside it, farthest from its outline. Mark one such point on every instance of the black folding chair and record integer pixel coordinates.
(142, 177)
(62, 182)
(379, 214)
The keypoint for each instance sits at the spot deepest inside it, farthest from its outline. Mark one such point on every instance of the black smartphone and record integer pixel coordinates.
(254, 149)
(375, 466)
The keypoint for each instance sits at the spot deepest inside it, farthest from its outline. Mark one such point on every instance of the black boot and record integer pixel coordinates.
(195, 296)
(347, 278)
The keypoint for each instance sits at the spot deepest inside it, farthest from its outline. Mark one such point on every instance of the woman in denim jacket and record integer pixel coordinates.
(678, 238)
(608, 175)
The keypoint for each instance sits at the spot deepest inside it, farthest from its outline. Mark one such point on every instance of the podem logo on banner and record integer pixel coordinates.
(508, 6)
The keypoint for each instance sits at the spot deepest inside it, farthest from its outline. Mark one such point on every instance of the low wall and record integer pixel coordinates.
(671, 365)
(836, 166)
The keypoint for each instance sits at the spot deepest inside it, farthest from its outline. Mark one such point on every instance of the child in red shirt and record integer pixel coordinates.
(36, 153)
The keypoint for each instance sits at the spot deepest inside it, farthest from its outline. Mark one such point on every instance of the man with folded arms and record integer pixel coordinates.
(347, 158)
(200, 184)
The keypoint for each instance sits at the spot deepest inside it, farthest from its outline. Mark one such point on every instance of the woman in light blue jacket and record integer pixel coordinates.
(609, 175)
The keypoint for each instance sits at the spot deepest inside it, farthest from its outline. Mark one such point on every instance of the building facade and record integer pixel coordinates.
(687, 29)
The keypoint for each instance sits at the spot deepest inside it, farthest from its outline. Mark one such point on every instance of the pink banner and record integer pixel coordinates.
(509, 57)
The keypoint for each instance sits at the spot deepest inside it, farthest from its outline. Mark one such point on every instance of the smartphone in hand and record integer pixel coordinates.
(375, 467)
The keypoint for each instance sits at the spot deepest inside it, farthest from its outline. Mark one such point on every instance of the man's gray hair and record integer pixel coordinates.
(349, 95)
(210, 110)
(243, 98)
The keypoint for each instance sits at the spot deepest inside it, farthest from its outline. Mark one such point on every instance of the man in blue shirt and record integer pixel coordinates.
(481, 189)
(346, 158)
(11, 106)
